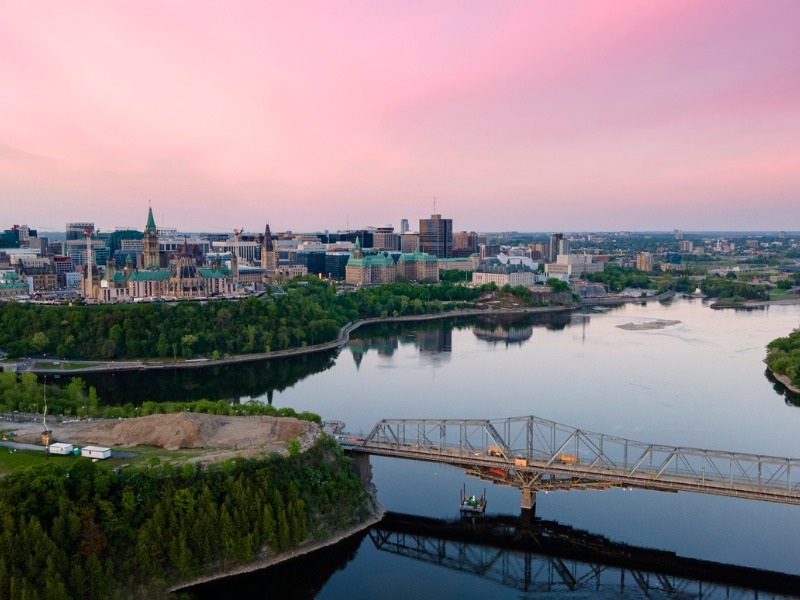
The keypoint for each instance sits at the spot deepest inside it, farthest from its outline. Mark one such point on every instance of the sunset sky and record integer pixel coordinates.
(529, 116)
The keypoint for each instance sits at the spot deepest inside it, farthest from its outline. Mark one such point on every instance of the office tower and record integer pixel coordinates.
(555, 239)
(436, 236)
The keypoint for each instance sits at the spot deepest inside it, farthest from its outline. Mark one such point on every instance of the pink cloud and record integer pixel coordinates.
(238, 110)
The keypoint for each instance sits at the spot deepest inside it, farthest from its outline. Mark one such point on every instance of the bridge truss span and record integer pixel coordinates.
(536, 454)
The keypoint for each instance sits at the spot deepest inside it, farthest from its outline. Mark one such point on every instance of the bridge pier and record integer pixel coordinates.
(362, 466)
(528, 502)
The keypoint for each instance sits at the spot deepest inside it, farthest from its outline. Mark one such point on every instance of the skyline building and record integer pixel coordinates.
(269, 254)
(465, 243)
(77, 230)
(436, 236)
(644, 261)
(553, 250)
(151, 254)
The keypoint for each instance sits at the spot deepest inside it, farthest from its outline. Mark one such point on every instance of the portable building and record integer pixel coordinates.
(96, 452)
(61, 448)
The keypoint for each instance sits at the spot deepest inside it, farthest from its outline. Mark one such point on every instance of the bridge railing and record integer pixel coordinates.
(532, 442)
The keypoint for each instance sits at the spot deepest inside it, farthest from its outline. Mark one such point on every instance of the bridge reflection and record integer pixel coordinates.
(546, 557)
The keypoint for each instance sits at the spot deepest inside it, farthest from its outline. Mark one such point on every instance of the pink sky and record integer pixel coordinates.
(531, 116)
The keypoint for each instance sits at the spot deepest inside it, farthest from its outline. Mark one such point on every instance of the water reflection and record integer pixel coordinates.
(541, 556)
(504, 334)
(230, 382)
(529, 556)
(436, 336)
(300, 579)
(433, 340)
(791, 398)
(236, 382)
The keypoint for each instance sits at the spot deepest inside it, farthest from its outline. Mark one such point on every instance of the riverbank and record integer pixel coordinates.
(753, 304)
(76, 367)
(302, 550)
(73, 367)
(787, 383)
(618, 300)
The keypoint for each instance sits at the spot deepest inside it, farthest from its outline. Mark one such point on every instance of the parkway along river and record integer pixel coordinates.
(698, 383)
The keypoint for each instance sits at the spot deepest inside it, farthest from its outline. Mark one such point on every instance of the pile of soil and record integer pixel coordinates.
(185, 430)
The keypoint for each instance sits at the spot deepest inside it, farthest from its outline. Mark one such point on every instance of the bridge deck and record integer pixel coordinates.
(536, 454)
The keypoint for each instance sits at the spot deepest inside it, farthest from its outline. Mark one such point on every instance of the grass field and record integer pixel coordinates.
(15, 459)
(11, 459)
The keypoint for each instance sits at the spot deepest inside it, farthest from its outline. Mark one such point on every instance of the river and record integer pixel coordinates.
(699, 383)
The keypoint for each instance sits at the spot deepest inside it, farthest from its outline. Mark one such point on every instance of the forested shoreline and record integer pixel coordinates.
(783, 357)
(75, 529)
(310, 312)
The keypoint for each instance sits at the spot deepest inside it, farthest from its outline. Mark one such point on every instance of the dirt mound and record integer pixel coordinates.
(186, 430)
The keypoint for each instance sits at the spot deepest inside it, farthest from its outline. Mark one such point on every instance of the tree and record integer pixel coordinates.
(557, 285)
(39, 342)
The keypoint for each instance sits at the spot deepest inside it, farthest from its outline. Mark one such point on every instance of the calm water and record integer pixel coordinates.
(701, 383)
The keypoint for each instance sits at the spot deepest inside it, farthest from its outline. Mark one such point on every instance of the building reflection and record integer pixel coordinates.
(504, 334)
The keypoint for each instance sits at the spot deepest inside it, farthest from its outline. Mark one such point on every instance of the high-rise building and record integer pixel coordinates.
(686, 246)
(384, 238)
(465, 243)
(77, 231)
(151, 255)
(538, 251)
(409, 242)
(436, 236)
(553, 250)
(403, 226)
(563, 246)
(644, 261)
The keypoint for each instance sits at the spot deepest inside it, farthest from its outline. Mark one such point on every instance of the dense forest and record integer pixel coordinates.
(71, 528)
(310, 312)
(783, 357)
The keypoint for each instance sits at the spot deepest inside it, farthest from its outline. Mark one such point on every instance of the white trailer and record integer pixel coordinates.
(96, 452)
(61, 448)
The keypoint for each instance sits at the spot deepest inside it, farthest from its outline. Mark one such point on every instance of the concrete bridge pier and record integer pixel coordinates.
(528, 502)
(362, 466)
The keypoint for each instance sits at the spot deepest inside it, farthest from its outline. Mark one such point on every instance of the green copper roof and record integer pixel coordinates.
(151, 222)
(149, 275)
(417, 257)
(372, 260)
(213, 273)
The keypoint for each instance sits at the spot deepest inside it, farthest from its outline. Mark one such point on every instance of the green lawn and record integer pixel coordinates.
(14, 459)
(144, 455)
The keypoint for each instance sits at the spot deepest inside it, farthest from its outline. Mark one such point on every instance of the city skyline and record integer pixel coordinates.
(593, 116)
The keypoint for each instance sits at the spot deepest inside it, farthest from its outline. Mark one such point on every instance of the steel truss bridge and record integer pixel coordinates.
(556, 559)
(535, 454)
